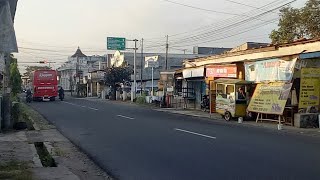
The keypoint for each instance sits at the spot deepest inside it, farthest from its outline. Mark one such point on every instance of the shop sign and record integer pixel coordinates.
(309, 87)
(270, 70)
(270, 98)
(193, 72)
(221, 71)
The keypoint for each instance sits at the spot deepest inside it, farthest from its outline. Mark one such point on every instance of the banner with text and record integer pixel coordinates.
(270, 70)
(270, 98)
(229, 71)
(309, 87)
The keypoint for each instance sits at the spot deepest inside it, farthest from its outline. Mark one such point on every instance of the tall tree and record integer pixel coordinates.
(30, 69)
(115, 76)
(15, 77)
(311, 17)
(296, 23)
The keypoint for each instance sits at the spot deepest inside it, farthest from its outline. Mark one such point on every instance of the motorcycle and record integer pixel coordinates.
(29, 98)
(205, 103)
(61, 97)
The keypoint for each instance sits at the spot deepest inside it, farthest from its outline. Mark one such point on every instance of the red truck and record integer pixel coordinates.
(45, 85)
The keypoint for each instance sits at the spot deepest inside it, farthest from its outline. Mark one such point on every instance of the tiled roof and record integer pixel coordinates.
(78, 53)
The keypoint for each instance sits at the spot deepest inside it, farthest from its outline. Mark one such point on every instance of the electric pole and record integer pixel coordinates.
(134, 87)
(167, 48)
(141, 66)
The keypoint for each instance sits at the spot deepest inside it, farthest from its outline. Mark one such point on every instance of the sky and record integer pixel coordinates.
(52, 30)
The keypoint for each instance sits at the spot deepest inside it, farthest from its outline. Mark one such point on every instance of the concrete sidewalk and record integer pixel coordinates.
(18, 153)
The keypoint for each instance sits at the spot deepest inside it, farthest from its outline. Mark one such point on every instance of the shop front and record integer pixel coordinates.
(194, 87)
(214, 72)
(286, 88)
(308, 77)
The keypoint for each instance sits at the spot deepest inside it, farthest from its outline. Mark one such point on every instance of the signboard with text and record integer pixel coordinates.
(270, 70)
(116, 43)
(270, 98)
(309, 87)
(221, 71)
(151, 62)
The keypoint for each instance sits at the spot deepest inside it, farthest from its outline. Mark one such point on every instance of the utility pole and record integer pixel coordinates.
(141, 66)
(7, 124)
(167, 48)
(134, 88)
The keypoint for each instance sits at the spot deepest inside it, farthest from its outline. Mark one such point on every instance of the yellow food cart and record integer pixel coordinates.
(232, 97)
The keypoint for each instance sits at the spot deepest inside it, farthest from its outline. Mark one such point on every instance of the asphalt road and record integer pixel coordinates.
(132, 142)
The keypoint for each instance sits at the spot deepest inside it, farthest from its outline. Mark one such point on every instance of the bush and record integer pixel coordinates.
(141, 100)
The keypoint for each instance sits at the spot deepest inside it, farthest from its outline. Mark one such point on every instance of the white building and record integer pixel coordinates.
(79, 62)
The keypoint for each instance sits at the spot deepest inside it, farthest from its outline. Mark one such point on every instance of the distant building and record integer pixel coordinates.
(175, 61)
(84, 64)
(209, 50)
(249, 45)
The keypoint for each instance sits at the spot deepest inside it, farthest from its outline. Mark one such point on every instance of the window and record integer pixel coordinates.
(230, 89)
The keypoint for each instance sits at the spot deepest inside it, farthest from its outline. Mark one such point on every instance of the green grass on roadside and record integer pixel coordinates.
(15, 171)
(25, 115)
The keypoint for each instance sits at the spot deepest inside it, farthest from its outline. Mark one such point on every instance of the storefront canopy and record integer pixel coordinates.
(231, 81)
(310, 55)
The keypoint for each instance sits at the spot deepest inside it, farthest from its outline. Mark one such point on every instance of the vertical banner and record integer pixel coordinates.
(309, 87)
(270, 98)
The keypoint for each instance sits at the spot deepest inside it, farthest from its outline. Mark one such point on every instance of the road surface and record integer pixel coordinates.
(132, 142)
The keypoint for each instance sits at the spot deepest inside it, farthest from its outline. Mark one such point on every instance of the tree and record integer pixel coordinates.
(30, 69)
(115, 76)
(298, 23)
(15, 77)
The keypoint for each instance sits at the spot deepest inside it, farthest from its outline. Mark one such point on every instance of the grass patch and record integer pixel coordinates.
(16, 171)
(45, 157)
(25, 116)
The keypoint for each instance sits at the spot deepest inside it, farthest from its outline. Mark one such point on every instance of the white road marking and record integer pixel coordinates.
(80, 106)
(194, 133)
(125, 117)
(93, 109)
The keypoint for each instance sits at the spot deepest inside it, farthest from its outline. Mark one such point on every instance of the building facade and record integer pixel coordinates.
(76, 69)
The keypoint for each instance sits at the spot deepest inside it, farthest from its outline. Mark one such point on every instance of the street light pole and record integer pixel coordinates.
(134, 69)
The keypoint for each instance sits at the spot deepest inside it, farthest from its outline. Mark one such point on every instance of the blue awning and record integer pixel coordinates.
(310, 55)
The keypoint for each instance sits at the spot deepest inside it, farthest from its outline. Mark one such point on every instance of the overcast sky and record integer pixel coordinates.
(55, 28)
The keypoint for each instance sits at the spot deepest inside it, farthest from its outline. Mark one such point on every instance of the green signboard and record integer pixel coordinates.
(116, 43)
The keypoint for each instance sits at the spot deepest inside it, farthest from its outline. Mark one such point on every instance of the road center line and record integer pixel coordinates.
(194, 133)
(125, 117)
(80, 106)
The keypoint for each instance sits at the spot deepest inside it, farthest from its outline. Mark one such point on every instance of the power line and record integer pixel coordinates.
(233, 19)
(207, 32)
(256, 27)
(223, 29)
(198, 8)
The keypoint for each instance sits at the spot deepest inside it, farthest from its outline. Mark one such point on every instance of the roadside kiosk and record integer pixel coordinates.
(232, 97)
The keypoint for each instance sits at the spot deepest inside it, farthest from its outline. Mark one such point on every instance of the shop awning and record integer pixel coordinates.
(232, 81)
(193, 72)
(309, 55)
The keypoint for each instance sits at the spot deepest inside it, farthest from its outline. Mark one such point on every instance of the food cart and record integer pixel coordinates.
(232, 97)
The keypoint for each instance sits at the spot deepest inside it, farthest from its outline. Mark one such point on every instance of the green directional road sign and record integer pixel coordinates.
(116, 43)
